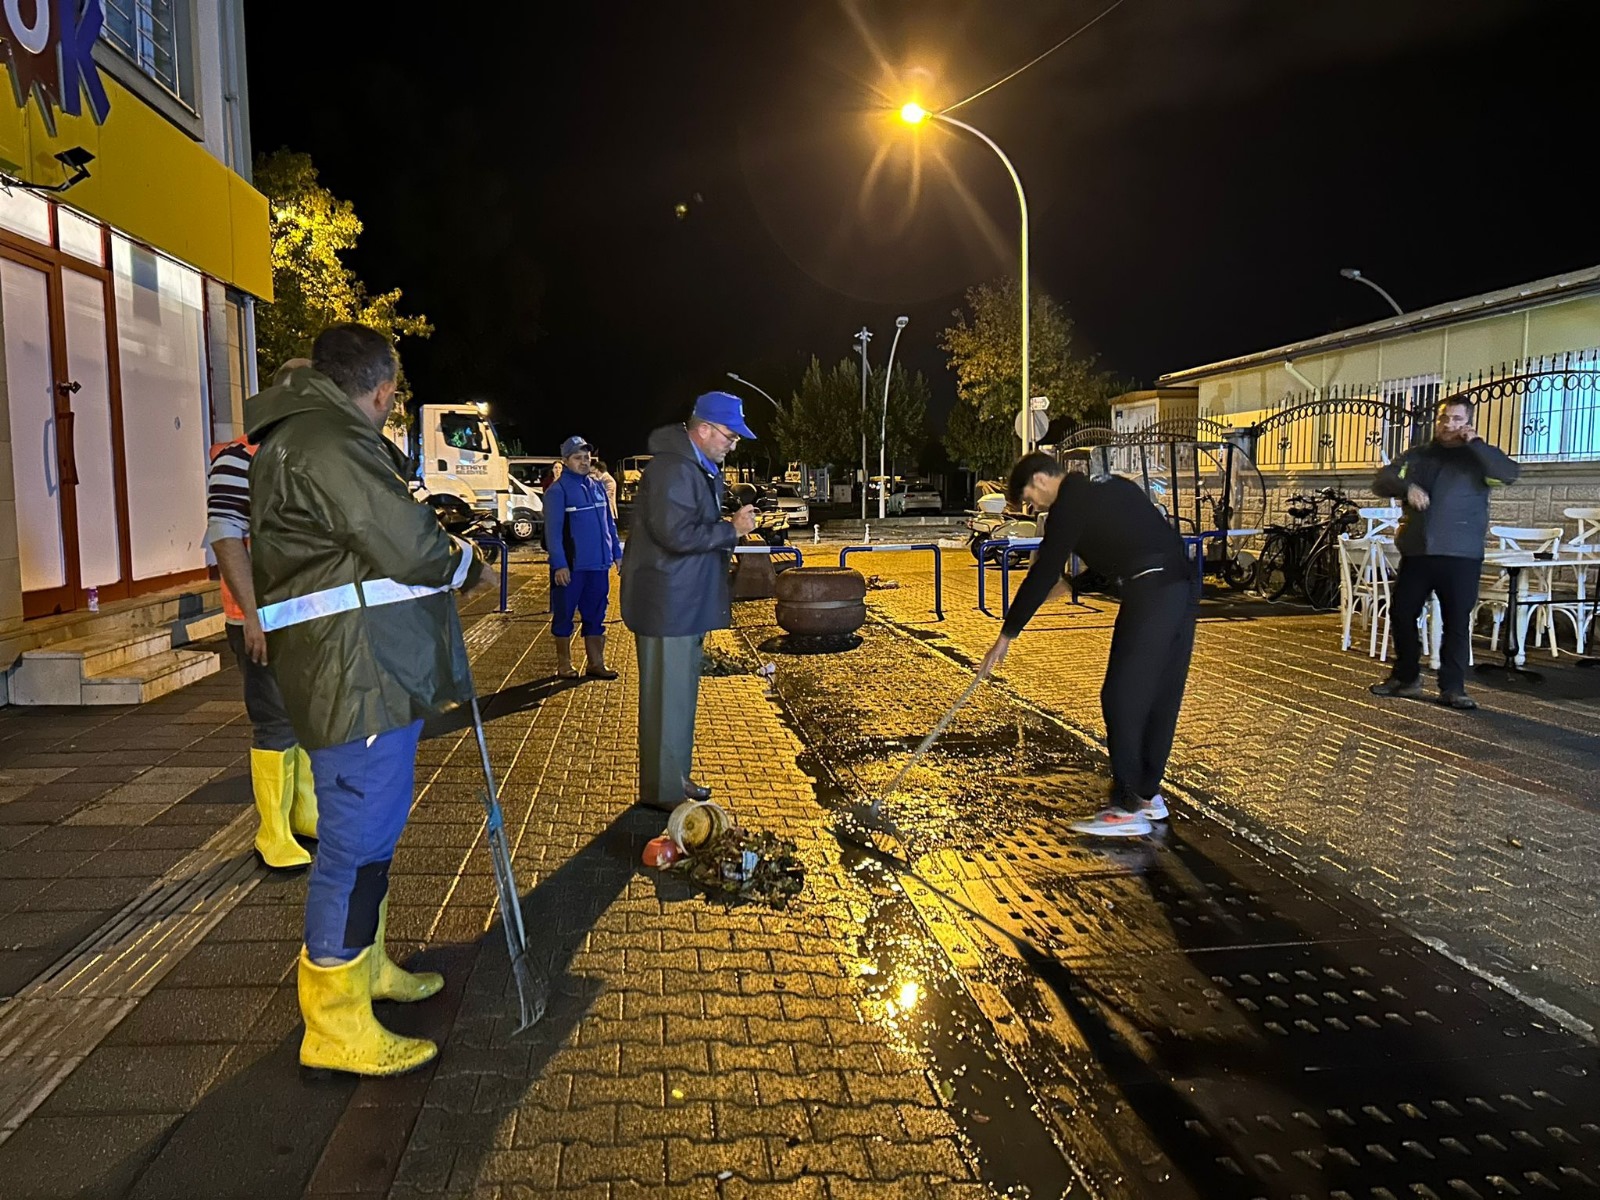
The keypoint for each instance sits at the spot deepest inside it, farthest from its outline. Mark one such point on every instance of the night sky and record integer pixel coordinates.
(1198, 171)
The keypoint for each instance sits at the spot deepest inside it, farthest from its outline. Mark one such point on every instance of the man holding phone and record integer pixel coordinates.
(675, 585)
(1443, 485)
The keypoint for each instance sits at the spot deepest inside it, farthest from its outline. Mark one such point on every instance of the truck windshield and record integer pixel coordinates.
(463, 432)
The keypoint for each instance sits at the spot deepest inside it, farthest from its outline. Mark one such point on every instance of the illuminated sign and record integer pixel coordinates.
(49, 48)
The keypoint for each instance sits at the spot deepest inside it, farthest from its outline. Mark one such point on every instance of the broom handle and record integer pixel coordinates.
(933, 736)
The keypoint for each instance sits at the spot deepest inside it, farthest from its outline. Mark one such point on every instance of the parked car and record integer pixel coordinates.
(787, 499)
(915, 498)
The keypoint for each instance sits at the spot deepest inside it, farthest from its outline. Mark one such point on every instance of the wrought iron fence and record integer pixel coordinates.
(1544, 409)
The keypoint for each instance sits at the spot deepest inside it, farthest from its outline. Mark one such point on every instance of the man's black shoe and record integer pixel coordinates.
(1393, 687)
(693, 791)
(1458, 700)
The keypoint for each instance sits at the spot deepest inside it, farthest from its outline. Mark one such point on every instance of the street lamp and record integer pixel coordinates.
(883, 421)
(862, 338)
(1352, 273)
(915, 114)
(737, 378)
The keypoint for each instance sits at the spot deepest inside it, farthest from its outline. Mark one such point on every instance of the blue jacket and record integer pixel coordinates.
(580, 532)
(1457, 479)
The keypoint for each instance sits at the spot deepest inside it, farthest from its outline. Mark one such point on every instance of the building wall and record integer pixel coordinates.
(1449, 353)
(170, 175)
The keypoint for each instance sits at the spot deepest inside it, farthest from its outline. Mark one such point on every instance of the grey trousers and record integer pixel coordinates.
(669, 690)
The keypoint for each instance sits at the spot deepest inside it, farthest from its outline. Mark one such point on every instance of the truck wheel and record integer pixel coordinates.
(523, 526)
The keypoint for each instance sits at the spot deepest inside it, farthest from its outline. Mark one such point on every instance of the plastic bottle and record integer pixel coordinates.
(94, 599)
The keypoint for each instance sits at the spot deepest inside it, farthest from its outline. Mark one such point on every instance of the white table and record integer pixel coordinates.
(1514, 562)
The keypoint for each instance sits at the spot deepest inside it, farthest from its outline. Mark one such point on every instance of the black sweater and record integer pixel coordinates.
(1111, 525)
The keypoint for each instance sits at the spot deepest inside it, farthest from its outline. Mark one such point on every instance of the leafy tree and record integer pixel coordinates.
(985, 445)
(311, 230)
(985, 353)
(823, 421)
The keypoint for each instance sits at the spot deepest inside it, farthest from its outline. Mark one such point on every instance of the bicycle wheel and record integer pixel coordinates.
(1272, 568)
(1322, 575)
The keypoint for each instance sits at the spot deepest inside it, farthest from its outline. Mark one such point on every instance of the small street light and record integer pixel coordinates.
(737, 378)
(1353, 273)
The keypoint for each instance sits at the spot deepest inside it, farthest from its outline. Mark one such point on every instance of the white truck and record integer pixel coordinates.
(458, 464)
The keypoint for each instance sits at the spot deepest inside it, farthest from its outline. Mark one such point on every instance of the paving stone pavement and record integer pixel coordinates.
(691, 1049)
(1480, 831)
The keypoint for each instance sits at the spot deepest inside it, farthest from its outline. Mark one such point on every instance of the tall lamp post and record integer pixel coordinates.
(900, 324)
(1352, 273)
(915, 114)
(862, 338)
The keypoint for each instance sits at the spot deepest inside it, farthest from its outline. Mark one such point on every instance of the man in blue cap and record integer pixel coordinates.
(581, 538)
(675, 586)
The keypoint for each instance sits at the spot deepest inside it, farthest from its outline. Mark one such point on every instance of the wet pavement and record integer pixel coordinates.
(984, 1005)
(1192, 1015)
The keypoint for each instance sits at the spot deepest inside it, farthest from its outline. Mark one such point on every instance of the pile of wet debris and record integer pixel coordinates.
(703, 845)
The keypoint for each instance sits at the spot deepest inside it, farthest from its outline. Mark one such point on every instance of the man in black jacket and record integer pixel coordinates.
(1444, 487)
(1110, 524)
(675, 586)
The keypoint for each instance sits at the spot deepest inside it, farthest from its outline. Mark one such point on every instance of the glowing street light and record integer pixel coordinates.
(914, 114)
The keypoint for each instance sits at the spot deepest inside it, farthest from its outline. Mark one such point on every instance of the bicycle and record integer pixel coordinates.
(1304, 556)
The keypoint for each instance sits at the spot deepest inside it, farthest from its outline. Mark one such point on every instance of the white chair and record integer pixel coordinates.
(1381, 522)
(1533, 587)
(1364, 584)
(1578, 609)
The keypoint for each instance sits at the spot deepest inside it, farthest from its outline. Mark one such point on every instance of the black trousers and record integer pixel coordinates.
(1455, 582)
(1143, 691)
(269, 720)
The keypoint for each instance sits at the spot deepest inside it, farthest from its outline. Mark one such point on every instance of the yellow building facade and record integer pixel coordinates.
(132, 251)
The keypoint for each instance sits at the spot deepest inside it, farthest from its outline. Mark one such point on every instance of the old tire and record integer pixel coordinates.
(821, 601)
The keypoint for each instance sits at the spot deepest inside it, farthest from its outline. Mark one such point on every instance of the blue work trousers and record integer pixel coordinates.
(364, 792)
(589, 595)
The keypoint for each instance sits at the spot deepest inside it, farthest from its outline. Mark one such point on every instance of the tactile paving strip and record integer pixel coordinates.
(1280, 1043)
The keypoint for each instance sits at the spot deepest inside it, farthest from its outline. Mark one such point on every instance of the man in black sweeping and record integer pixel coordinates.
(1111, 525)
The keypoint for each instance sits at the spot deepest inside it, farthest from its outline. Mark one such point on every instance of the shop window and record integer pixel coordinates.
(25, 213)
(154, 36)
(79, 237)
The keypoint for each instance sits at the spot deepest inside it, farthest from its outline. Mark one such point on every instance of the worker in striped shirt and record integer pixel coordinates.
(280, 771)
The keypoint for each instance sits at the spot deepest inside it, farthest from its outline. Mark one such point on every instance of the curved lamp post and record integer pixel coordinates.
(915, 114)
(883, 420)
(1353, 273)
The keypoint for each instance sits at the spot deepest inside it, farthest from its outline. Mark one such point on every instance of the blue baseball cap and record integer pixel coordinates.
(572, 445)
(720, 408)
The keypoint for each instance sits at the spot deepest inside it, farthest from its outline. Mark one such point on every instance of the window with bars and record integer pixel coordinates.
(152, 35)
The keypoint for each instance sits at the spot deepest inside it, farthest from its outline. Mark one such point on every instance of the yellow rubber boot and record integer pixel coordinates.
(272, 779)
(392, 982)
(341, 1032)
(303, 813)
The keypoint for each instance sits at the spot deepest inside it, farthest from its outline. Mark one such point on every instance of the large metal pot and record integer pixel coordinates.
(821, 601)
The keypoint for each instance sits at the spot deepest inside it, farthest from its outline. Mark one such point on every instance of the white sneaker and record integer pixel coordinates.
(1153, 809)
(1114, 822)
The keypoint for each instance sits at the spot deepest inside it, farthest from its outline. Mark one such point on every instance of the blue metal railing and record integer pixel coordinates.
(799, 559)
(1006, 545)
(938, 565)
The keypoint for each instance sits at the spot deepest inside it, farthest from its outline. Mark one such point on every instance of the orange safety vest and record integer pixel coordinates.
(231, 609)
